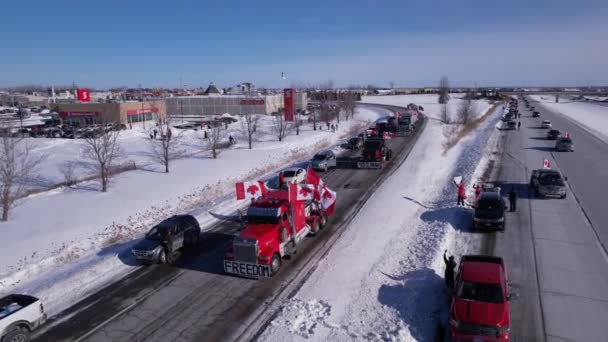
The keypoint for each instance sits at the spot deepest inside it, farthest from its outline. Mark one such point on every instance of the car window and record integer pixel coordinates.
(551, 179)
(482, 292)
(319, 157)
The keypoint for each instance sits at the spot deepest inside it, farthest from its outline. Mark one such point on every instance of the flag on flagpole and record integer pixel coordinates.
(546, 164)
(253, 190)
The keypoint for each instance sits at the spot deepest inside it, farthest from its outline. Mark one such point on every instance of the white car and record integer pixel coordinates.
(546, 124)
(19, 316)
(295, 176)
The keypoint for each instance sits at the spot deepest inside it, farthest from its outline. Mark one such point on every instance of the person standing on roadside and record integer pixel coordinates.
(518, 125)
(512, 199)
(450, 267)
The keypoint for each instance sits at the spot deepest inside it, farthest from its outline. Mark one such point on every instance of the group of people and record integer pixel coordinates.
(332, 127)
(478, 188)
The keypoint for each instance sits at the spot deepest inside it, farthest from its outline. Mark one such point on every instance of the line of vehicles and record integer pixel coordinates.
(480, 308)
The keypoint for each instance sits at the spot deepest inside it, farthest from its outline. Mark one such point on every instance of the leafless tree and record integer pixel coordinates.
(325, 97)
(102, 149)
(249, 124)
(214, 140)
(18, 165)
(444, 115)
(348, 103)
(465, 110)
(68, 170)
(280, 127)
(164, 144)
(444, 90)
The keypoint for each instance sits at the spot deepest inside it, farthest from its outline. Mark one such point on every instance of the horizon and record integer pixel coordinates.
(159, 44)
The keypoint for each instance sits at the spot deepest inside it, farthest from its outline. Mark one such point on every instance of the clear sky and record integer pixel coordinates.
(353, 42)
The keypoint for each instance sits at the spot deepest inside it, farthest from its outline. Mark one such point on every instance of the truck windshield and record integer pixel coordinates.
(263, 219)
(373, 144)
(155, 234)
(482, 292)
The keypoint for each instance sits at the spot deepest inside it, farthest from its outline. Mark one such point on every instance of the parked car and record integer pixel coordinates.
(564, 144)
(546, 124)
(489, 211)
(165, 240)
(553, 134)
(535, 114)
(480, 309)
(323, 160)
(19, 316)
(548, 183)
(511, 125)
(295, 176)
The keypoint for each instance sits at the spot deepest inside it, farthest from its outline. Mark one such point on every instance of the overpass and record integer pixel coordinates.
(557, 94)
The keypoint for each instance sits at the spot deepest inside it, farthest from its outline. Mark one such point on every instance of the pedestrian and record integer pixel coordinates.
(130, 126)
(478, 189)
(450, 266)
(327, 125)
(155, 133)
(231, 139)
(336, 127)
(512, 199)
(461, 193)
(205, 134)
(518, 125)
(333, 129)
(151, 136)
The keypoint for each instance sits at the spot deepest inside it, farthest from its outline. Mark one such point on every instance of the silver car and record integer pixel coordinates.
(323, 160)
(564, 145)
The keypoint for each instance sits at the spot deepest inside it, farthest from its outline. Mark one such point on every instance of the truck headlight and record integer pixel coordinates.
(503, 330)
(454, 323)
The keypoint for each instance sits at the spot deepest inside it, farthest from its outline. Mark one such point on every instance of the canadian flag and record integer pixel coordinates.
(328, 199)
(84, 95)
(546, 164)
(302, 192)
(388, 135)
(567, 135)
(253, 190)
(313, 179)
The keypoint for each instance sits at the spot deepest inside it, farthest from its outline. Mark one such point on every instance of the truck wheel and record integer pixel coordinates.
(17, 335)
(275, 264)
(323, 220)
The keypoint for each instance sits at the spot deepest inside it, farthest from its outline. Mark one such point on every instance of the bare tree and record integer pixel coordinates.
(325, 97)
(68, 170)
(17, 167)
(444, 90)
(102, 148)
(249, 123)
(214, 140)
(348, 103)
(444, 115)
(465, 110)
(280, 127)
(164, 144)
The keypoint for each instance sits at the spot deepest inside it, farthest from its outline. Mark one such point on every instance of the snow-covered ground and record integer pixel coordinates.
(591, 116)
(68, 240)
(383, 280)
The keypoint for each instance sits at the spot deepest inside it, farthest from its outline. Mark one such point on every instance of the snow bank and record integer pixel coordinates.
(593, 117)
(383, 278)
(71, 241)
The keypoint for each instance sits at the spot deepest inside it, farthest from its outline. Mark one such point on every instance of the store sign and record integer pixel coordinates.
(131, 112)
(252, 102)
(72, 114)
(84, 95)
(288, 98)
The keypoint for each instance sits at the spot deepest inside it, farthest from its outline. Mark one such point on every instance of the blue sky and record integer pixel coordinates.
(409, 43)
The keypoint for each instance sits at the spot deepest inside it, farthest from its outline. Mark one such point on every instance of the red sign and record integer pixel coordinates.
(252, 102)
(131, 112)
(288, 98)
(84, 95)
(66, 114)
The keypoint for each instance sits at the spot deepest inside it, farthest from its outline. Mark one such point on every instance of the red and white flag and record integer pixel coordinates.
(546, 164)
(301, 192)
(328, 199)
(567, 135)
(253, 190)
(313, 179)
(388, 135)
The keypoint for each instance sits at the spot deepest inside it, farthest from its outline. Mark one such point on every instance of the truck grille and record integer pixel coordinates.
(477, 329)
(246, 251)
(142, 254)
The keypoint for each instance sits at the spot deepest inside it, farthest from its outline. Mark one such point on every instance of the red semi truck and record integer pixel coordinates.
(276, 225)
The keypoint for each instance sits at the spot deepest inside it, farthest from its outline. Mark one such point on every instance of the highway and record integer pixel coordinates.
(555, 249)
(194, 300)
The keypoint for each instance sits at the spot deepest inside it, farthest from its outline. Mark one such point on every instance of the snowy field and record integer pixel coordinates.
(592, 117)
(69, 240)
(383, 280)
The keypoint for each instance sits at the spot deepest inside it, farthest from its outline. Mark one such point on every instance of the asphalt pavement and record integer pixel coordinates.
(555, 248)
(195, 300)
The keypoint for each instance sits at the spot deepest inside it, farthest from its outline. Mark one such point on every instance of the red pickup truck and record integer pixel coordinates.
(480, 305)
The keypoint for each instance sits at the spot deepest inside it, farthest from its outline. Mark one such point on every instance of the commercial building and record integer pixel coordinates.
(193, 106)
(119, 112)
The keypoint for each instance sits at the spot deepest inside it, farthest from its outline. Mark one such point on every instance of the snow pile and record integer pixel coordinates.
(302, 317)
(74, 240)
(383, 278)
(593, 117)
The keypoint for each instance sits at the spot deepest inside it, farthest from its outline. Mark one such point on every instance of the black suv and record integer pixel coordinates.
(535, 114)
(489, 211)
(162, 243)
(553, 134)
